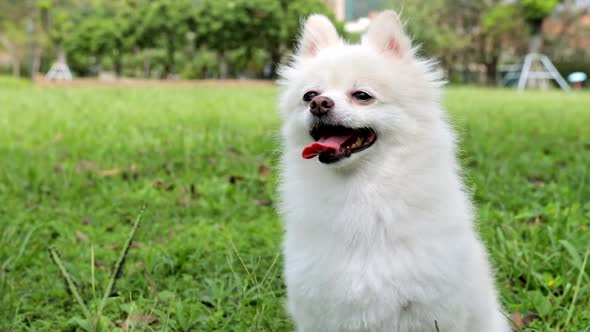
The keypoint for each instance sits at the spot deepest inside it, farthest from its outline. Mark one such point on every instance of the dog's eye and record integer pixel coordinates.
(361, 95)
(308, 96)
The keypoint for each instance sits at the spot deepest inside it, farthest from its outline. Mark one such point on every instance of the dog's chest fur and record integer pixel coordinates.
(362, 258)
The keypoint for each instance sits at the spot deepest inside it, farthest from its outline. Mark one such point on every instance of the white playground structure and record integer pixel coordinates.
(59, 71)
(536, 70)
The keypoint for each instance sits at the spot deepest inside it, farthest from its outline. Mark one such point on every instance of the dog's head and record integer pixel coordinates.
(343, 103)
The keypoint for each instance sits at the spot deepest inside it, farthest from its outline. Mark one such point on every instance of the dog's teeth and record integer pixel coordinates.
(357, 143)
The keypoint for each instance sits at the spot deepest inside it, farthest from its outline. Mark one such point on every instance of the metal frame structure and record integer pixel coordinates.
(59, 71)
(549, 72)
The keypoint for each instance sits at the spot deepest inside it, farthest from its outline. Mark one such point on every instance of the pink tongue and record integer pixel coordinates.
(330, 143)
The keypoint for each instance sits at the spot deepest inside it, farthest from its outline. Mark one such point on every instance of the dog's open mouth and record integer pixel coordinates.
(333, 143)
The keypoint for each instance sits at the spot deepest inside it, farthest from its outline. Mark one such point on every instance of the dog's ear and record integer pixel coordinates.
(386, 34)
(318, 33)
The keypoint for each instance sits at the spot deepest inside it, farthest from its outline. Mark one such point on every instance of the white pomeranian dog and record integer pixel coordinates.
(379, 228)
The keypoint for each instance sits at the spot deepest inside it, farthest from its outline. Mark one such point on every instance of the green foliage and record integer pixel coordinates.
(229, 25)
(296, 11)
(62, 26)
(163, 23)
(78, 164)
(101, 34)
(500, 18)
(505, 28)
(538, 9)
(106, 32)
(203, 65)
(463, 33)
(426, 23)
(166, 19)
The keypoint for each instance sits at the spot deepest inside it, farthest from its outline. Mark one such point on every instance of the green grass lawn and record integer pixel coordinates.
(77, 165)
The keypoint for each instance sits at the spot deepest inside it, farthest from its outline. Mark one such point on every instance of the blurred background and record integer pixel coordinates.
(476, 42)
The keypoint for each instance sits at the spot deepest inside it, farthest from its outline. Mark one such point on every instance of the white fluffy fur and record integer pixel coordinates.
(383, 240)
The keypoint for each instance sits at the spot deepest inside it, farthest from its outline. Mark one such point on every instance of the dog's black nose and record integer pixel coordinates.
(320, 105)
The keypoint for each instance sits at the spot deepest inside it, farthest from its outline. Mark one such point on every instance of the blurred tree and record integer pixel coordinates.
(447, 30)
(433, 26)
(93, 32)
(169, 34)
(535, 12)
(106, 31)
(294, 14)
(223, 26)
(464, 34)
(163, 23)
(14, 17)
(503, 29)
(57, 21)
(271, 25)
(567, 40)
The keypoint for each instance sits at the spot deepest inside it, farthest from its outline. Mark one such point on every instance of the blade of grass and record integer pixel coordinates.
(169, 311)
(570, 311)
(71, 286)
(92, 272)
(251, 275)
(24, 245)
(116, 273)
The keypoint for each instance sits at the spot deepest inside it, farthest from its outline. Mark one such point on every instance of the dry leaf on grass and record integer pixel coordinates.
(100, 265)
(233, 152)
(109, 172)
(263, 170)
(138, 321)
(520, 322)
(86, 165)
(81, 236)
(517, 320)
(536, 220)
(529, 317)
(157, 184)
(536, 178)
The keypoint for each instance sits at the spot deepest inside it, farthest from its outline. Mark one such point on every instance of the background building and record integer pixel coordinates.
(348, 10)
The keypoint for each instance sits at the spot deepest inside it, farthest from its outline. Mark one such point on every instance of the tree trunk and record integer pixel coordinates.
(16, 67)
(536, 39)
(170, 48)
(35, 61)
(118, 65)
(535, 43)
(14, 58)
(275, 60)
(491, 60)
(223, 66)
(492, 71)
(146, 67)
